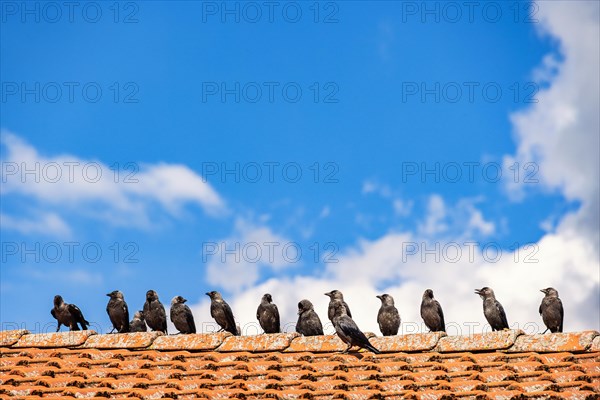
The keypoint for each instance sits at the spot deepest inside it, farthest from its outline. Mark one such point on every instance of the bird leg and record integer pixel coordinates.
(545, 331)
(112, 330)
(348, 349)
(58, 327)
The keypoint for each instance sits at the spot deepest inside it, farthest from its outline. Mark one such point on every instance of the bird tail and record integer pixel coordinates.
(234, 331)
(372, 349)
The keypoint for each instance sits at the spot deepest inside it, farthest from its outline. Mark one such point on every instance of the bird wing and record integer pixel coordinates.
(562, 313)
(229, 316)
(126, 311)
(258, 311)
(350, 329)
(441, 313)
(541, 307)
(163, 317)
(315, 323)
(277, 321)
(77, 314)
(190, 319)
(348, 310)
(502, 314)
(53, 312)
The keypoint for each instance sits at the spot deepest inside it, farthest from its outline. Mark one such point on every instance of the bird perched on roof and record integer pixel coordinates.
(492, 309)
(552, 311)
(222, 313)
(348, 331)
(267, 315)
(181, 316)
(154, 312)
(336, 295)
(138, 324)
(388, 316)
(431, 312)
(68, 314)
(118, 312)
(309, 323)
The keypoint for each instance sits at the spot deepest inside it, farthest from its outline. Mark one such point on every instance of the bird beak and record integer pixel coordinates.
(378, 296)
(208, 294)
(108, 294)
(477, 291)
(327, 294)
(183, 300)
(543, 291)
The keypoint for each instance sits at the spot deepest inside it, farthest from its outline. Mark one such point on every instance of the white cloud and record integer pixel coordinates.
(463, 219)
(402, 208)
(234, 263)
(49, 224)
(122, 196)
(560, 133)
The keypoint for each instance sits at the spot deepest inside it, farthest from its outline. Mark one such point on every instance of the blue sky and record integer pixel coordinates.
(363, 122)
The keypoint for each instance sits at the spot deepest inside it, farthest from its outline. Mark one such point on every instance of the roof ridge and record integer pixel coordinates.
(510, 341)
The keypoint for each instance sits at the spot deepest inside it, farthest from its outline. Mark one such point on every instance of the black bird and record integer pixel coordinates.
(138, 324)
(552, 311)
(432, 313)
(118, 312)
(309, 323)
(68, 314)
(348, 331)
(492, 309)
(154, 312)
(222, 313)
(334, 296)
(181, 316)
(267, 315)
(388, 317)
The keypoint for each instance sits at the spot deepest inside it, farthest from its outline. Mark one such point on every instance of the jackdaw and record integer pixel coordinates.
(309, 323)
(68, 315)
(154, 312)
(348, 331)
(552, 311)
(222, 313)
(388, 317)
(181, 316)
(334, 296)
(118, 312)
(267, 315)
(432, 313)
(138, 324)
(492, 309)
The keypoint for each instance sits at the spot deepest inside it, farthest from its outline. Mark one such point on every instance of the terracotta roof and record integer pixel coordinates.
(499, 365)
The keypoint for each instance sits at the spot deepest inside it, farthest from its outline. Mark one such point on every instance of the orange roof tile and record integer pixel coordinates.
(498, 365)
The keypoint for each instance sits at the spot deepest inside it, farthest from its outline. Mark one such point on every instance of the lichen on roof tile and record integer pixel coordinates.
(258, 343)
(254, 372)
(555, 342)
(499, 340)
(8, 338)
(197, 342)
(121, 340)
(411, 342)
(58, 339)
(595, 344)
(317, 344)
